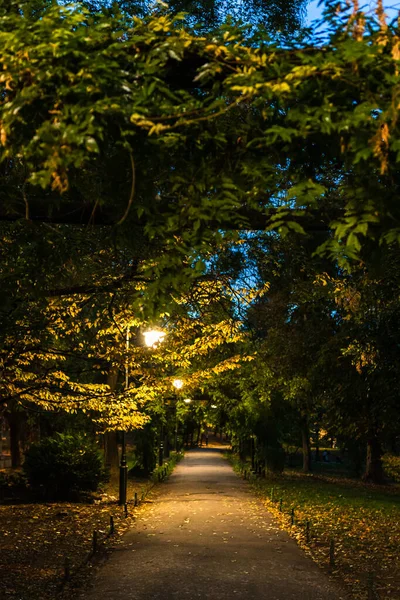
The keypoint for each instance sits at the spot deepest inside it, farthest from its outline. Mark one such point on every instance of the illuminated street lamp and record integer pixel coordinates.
(151, 338)
(178, 384)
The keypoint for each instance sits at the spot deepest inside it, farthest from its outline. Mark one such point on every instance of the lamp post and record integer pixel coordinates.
(123, 467)
(178, 385)
(151, 338)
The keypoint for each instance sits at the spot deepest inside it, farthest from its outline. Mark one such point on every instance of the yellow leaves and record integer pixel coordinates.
(228, 37)
(217, 50)
(382, 22)
(323, 279)
(61, 376)
(3, 135)
(153, 128)
(280, 87)
(244, 89)
(54, 46)
(362, 355)
(380, 143)
(260, 59)
(396, 49)
(301, 72)
(159, 24)
(158, 128)
(140, 121)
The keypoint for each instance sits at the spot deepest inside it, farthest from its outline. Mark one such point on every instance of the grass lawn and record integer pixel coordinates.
(363, 520)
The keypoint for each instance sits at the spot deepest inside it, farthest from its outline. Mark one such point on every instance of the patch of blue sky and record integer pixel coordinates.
(316, 7)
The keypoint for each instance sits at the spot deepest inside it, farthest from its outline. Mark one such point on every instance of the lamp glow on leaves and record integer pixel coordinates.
(178, 384)
(153, 337)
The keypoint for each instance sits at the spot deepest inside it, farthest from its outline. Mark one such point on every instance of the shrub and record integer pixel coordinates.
(391, 465)
(13, 484)
(63, 465)
(275, 458)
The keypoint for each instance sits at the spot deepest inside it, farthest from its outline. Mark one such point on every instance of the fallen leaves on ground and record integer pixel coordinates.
(38, 538)
(362, 520)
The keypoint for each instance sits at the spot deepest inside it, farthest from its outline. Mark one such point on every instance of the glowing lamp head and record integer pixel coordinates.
(187, 400)
(153, 337)
(178, 384)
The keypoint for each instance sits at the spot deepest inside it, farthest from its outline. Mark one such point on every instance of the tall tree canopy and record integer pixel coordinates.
(136, 150)
(216, 133)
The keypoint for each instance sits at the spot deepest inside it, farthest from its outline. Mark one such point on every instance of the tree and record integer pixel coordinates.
(186, 97)
(362, 371)
(171, 142)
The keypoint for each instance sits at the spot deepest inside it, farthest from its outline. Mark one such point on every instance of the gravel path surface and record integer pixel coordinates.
(204, 535)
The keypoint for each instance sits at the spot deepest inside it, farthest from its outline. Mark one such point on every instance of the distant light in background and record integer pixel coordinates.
(213, 406)
(187, 400)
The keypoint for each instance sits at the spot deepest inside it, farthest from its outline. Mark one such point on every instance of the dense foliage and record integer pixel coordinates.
(240, 186)
(62, 465)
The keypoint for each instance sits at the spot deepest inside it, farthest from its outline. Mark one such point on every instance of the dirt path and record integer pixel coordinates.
(204, 535)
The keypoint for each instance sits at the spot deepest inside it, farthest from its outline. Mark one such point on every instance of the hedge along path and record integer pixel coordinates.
(204, 534)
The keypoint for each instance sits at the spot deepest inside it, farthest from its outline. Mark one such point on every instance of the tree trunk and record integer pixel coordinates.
(374, 468)
(305, 436)
(198, 434)
(317, 453)
(15, 424)
(111, 456)
(242, 449)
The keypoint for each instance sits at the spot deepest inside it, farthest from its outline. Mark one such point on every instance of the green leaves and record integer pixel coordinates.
(302, 125)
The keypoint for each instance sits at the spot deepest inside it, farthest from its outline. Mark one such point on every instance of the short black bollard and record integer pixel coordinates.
(67, 568)
(112, 526)
(135, 503)
(245, 474)
(307, 531)
(280, 505)
(292, 516)
(95, 541)
(332, 553)
(125, 510)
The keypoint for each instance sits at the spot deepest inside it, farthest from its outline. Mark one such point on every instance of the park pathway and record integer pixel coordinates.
(204, 535)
